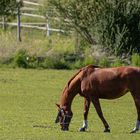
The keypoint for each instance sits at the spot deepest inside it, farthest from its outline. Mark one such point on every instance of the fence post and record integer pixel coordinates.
(18, 24)
(47, 25)
(4, 23)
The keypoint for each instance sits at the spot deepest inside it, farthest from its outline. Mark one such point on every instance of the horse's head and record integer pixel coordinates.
(64, 118)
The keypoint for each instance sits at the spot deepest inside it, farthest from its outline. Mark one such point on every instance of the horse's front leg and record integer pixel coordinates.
(97, 106)
(86, 109)
(136, 97)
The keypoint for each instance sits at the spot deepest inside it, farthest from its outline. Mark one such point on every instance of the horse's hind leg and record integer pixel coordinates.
(137, 103)
(86, 109)
(97, 106)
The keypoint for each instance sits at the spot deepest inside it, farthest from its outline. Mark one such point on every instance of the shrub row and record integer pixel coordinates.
(63, 61)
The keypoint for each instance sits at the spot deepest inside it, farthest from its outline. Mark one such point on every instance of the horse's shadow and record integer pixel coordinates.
(43, 126)
(73, 131)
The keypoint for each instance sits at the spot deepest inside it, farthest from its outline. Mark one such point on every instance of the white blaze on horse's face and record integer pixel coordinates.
(64, 118)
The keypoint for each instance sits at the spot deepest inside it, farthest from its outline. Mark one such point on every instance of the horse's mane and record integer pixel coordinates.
(89, 66)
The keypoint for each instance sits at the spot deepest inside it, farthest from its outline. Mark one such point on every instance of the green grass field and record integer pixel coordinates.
(28, 111)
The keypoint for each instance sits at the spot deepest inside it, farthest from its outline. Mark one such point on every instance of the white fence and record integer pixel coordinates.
(34, 26)
(22, 12)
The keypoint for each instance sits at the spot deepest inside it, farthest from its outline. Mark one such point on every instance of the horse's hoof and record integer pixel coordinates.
(64, 129)
(83, 129)
(134, 131)
(107, 130)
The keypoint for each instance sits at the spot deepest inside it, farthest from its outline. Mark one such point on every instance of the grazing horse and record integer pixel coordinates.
(94, 83)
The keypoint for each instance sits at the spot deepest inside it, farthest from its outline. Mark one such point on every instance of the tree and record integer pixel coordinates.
(9, 7)
(77, 13)
(113, 24)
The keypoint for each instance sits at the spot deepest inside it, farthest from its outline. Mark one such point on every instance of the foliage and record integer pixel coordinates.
(77, 14)
(9, 7)
(104, 62)
(55, 52)
(21, 59)
(58, 60)
(135, 59)
(52, 16)
(113, 24)
(119, 29)
(55, 62)
(118, 62)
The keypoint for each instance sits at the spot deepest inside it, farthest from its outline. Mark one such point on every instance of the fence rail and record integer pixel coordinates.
(32, 3)
(23, 12)
(28, 9)
(38, 26)
(33, 15)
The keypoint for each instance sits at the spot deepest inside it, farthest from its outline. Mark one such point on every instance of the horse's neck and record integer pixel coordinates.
(67, 98)
(70, 91)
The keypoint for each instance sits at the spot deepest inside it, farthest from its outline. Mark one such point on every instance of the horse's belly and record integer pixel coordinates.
(112, 94)
(105, 89)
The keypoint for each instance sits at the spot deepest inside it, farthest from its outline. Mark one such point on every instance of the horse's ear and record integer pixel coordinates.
(58, 105)
(57, 118)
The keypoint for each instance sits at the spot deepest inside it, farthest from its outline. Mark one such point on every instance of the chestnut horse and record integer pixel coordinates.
(94, 83)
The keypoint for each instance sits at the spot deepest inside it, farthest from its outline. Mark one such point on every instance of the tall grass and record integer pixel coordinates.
(36, 43)
(36, 39)
(55, 52)
(135, 59)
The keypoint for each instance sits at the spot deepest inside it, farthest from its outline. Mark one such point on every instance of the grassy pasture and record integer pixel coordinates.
(28, 112)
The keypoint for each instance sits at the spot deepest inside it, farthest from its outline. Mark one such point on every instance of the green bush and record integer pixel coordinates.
(77, 64)
(88, 60)
(20, 59)
(81, 62)
(135, 59)
(104, 62)
(55, 62)
(34, 61)
(117, 63)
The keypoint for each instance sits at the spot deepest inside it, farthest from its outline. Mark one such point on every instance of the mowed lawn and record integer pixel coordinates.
(28, 111)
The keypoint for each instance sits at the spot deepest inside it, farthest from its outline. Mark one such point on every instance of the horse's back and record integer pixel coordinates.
(125, 75)
(133, 79)
(117, 72)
